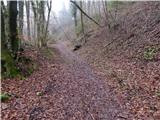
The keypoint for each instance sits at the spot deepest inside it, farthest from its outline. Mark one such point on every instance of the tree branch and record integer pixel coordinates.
(84, 12)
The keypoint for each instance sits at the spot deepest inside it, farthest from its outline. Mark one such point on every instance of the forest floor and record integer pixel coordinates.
(120, 56)
(108, 78)
(68, 88)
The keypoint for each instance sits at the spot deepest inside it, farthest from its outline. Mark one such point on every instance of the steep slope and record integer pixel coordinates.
(124, 57)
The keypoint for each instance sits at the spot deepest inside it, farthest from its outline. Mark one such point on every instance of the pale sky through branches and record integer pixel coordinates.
(57, 5)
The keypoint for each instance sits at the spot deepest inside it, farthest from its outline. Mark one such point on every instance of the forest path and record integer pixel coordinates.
(62, 88)
(85, 94)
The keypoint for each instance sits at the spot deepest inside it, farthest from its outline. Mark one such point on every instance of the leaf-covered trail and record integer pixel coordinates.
(71, 90)
(85, 94)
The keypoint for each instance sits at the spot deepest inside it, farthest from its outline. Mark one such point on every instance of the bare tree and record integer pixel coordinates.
(35, 20)
(74, 13)
(82, 25)
(107, 22)
(49, 5)
(21, 5)
(13, 27)
(89, 7)
(40, 22)
(84, 12)
(8, 67)
(28, 17)
(3, 45)
(41, 25)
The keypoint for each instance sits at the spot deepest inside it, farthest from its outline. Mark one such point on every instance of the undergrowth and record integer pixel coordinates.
(19, 68)
(26, 66)
(4, 97)
(47, 52)
(8, 66)
(149, 53)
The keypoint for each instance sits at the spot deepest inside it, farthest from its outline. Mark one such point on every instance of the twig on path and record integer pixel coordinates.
(92, 116)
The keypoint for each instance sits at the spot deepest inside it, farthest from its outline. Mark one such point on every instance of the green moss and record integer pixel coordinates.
(149, 53)
(9, 67)
(26, 66)
(4, 97)
(30, 70)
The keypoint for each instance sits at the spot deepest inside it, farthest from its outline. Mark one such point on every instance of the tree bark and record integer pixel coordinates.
(21, 5)
(107, 22)
(13, 27)
(82, 25)
(2, 23)
(8, 67)
(49, 10)
(38, 25)
(35, 21)
(3, 45)
(89, 7)
(28, 15)
(42, 23)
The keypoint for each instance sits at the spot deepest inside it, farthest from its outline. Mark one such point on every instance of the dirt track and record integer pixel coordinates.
(87, 96)
(70, 88)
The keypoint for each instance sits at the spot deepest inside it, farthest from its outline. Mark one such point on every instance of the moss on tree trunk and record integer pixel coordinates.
(8, 67)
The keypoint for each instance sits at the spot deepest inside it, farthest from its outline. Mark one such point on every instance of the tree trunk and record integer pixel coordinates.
(82, 24)
(35, 21)
(89, 7)
(41, 23)
(6, 22)
(21, 5)
(3, 45)
(49, 10)
(28, 22)
(75, 19)
(8, 67)
(42, 9)
(107, 22)
(13, 27)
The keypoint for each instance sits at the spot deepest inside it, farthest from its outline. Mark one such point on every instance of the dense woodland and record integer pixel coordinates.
(13, 36)
(91, 60)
